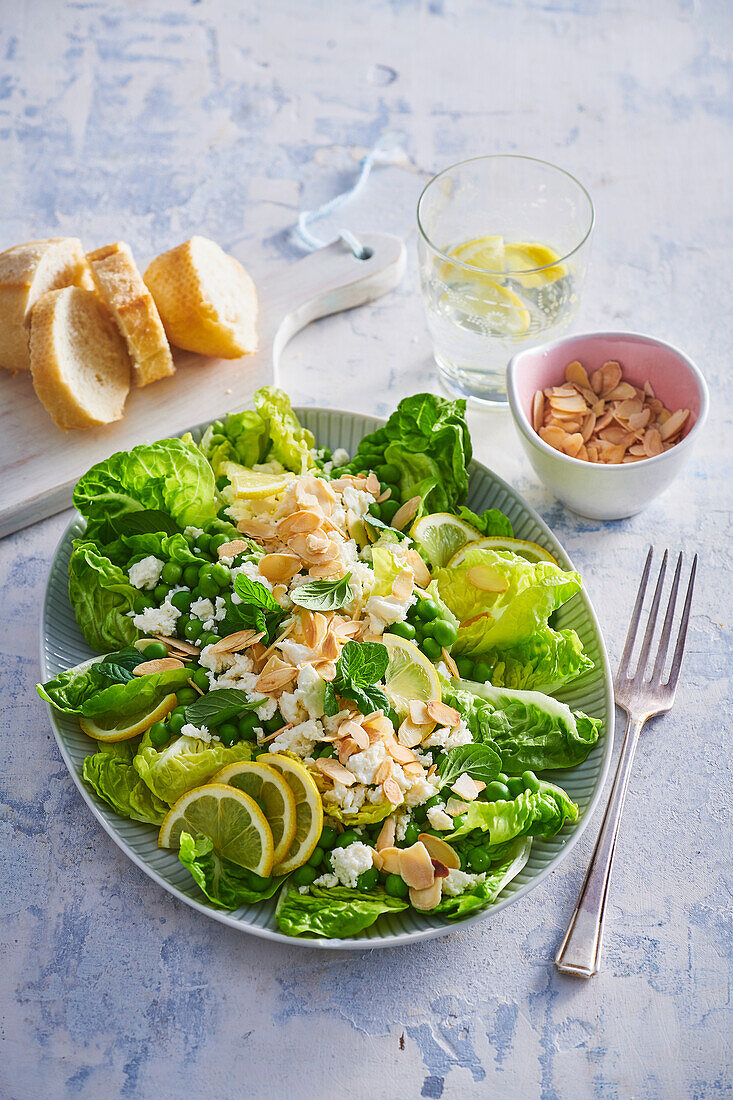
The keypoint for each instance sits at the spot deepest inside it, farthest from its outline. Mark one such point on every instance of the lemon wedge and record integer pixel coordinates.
(532, 551)
(272, 794)
(254, 484)
(308, 810)
(441, 535)
(135, 724)
(521, 256)
(232, 819)
(410, 675)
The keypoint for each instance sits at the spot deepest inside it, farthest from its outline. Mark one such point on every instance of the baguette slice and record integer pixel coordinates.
(205, 298)
(79, 362)
(26, 272)
(120, 285)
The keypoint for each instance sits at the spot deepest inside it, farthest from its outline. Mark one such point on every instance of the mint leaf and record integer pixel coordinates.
(479, 761)
(119, 667)
(323, 595)
(219, 706)
(259, 610)
(358, 670)
(253, 592)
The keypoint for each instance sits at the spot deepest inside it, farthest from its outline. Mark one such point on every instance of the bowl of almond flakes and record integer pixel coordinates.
(607, 419)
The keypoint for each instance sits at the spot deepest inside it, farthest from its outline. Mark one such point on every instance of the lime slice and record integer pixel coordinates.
(132, 725)
(441, 535)
(520, 256)
(232, 819)
(308, 810)
(484, 252)
(410, 674)
(254, 484)
(272, 794)
(529, 550)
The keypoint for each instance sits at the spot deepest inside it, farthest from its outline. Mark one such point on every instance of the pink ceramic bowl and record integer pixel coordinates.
(594, 490)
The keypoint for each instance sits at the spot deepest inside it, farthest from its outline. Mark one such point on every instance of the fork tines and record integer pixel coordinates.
(639, 675)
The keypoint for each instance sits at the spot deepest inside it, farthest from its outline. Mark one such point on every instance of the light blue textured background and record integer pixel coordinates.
(150, 122)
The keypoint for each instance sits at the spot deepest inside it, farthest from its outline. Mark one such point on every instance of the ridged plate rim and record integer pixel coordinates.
(337, 428)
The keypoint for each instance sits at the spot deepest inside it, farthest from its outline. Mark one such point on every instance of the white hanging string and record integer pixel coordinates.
(388, 150)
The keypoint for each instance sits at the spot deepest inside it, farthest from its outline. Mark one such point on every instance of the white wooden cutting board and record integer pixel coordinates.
(40, 464)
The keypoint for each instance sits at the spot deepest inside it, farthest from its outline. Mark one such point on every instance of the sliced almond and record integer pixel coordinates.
(427, 899)
(162, 664)
(236, 642)
(575, 372)
(538, 410)
(346, 749)
(179, 644)
(574, 404)
(450, 664)
(231, 549)
(325, 669)
(279, 568)
(629, 407)
(387, 833)
(486, 579)
(383, 772)
(256, 529)
(402, 585)
(674, 424)
(652, 442)
(611, 376)
(553, 436)
(416, 866)
(392, 791)
(335, 771)
(587, 427)
(596, 381)
(439, 868)
(648, 389)
(419, 712)
(638, 421)
(572, 444)
(378, 724)
(622, 392)
(419, 568)
(390, 859)
(615, 454)
(399, 753)
(441, 850)
(384, 496)
(406, 512)
(373, 485)
(410, 735)
(466, 788)
(443, 714)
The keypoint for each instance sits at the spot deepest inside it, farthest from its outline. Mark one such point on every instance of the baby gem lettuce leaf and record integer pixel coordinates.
(137, 696)
(102, 598)
(332, 910)
(485, 893)
(109, 772)
(184, 763)
(358, 670)
(323, 595)
(478, 761)
(219, 705)
(532, 813)
(492, 523)
(68, 691)
(225, 883)
(290, 443)
(543, 662)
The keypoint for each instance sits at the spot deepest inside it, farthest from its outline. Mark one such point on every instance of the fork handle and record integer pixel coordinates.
(580, 951)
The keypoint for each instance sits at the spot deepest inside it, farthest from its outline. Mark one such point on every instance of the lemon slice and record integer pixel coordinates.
(520, 255)
(254, 484)
(410, 674)
(308, 810)
(484, 252)
(440, 535)
(504, 313)
(232, 819)
(529, 550)
(271, 793)
(134, 724)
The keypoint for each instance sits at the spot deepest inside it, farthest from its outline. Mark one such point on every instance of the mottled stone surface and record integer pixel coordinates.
(154, 121)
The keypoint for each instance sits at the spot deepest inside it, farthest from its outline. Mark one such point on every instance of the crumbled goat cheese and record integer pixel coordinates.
(193, 532)
(458, 882)
(383, 611)
(419, 791)
(350, 799)
(202, 609)
(326, 880)
(349, 863)
(444, 738)
(146, 573)
(340, 457)
(296, 653)
(300, 739)
(311, 691)
(363, 765)
(291, 708)
(201, 733)
(358, 500)
(439, 819)
(250, 570)
(402, 820)
(158, 620)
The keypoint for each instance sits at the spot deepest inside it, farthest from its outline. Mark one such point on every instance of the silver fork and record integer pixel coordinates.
(580, 951)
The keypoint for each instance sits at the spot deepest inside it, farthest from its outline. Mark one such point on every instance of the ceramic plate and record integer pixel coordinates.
(62, 646)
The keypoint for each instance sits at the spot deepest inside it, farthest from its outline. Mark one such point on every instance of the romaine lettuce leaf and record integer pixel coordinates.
(532, 813)
(427, 438)
(102, 598)
(290, 443)
(332, 911)
(531, 731)
(185, 763)
(492, 523)
(485, 893)
(110, 773)
(495, 620)
(225, 883)
(170, 475)
(544, 662)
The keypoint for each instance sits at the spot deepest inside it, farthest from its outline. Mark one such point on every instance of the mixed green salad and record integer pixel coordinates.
(321, 676)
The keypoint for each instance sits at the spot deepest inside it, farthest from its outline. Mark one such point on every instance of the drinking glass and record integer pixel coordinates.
(503, 247)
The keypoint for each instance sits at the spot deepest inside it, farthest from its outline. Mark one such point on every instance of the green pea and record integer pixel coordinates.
(481, 672)
(155, 651)
(246, 726)
(208, 637)
(158, 734)
(228, 733)
(140, 602)
(403, 630)
(191, 575)
(396, 887)
(316, 858)
(257, 882)
(428, 610)
(389, 509)
(348, 837)
(176, 722)
(444, 632)
(304, 876)
(515, 786)
(368, 879)
(171, 572)
(208, 587)
(375, 510)
(497, 792)
(182, 600)
(203, 542)
(479, 860)
(186, 696)
(388, 472)
(412, 834)
(329, 836)
(275, 723)
(192, 629)
(502, 777)
(201, 679)
(431, 649)
(220, 574)
(160, 592)
(181, 624)
(465, 668)
(180, 710)
(531, 782)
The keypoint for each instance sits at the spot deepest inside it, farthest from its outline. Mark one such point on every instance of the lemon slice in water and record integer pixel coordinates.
(521, 256)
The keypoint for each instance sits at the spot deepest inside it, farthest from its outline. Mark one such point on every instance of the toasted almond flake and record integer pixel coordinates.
(674, 424)
(275, 675)
(627, 408)
(638, 421)
(440, 849)
(611, 376)
(194, 685)
(402, 584)
(575, 373)
(372, 484)
(615, 454)
(486, 579)
(466, 788)
(439, 868)
(553, 436)
(360, 737)
(231, 549)
(572, 444)
(162, 664)
(443, 714)
(419, 712)
(617, 435)
(383, 772)
(335, 771)
(419, 568)
(538, 410)
(392, 791)
(179, 644)
(279, 568)
(427, 899)
(596, 381)
(326, 670)
(256, 529)
(574, 404)
(390, 858)
(416, 866)
(376, 858)
(622, 392)
(409, 734)
(413, 770)
(563, 391)
(387, 833)
(567, 426)
(384, 496)
(348, 629)
(406, 512)
(455, 807)
(450, 664)
(399, 753)
(652, 443)
(347, 748)
(592, 453)
(236, 642)
(587, 427)
(638, 450)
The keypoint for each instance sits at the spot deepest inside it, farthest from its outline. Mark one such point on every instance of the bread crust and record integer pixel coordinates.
(120, 285)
